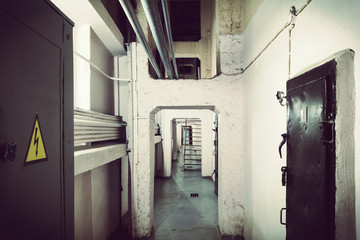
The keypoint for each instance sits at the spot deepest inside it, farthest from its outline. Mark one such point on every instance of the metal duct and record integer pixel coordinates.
(169, 34)
(90, 126)
(130, 13)
(153, 17)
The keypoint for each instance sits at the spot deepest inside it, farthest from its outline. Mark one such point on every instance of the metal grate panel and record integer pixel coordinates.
(90, 126)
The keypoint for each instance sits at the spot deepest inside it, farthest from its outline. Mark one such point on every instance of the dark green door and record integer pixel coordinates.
(310, 190)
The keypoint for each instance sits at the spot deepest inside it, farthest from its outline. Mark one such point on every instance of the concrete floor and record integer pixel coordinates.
(177, 215)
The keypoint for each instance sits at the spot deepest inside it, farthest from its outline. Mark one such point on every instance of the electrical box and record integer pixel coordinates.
(36, 122)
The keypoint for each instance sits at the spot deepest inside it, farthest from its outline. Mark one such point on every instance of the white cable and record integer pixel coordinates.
(277, 34)
(101, 71)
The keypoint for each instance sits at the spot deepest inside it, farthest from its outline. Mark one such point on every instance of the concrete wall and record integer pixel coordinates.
(124, 185)
(322, 29)
(97, 202)
(101, 88)
(179, 125)
(229, 26)
(82, 68)
(97, 192)
(250, 118)
(93, 91)
(206, 48)
(223, 93)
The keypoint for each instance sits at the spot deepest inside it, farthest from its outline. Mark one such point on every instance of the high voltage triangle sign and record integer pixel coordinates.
(36, 150)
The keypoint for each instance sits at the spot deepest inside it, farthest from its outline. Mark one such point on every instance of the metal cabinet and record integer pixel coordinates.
(36, 122)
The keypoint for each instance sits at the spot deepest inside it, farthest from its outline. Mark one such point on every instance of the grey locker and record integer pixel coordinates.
(36, 114)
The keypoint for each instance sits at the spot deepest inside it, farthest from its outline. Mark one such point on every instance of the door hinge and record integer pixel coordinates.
(281, 216)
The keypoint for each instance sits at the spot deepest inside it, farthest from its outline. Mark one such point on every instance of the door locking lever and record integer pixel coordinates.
(284, 176)
(8, 151)
(284, 136)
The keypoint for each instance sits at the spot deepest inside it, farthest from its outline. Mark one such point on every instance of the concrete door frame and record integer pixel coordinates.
(207, 132)
(142, 171)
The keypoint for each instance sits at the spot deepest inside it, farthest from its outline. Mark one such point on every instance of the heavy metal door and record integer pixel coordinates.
(36, 122)
(310, 190)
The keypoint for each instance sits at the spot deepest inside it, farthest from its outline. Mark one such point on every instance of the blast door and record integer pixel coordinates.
(310, 187)
(36, 122)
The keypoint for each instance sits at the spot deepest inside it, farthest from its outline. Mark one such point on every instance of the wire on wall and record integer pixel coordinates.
(101, 71)
(290, 23)
(263, 50)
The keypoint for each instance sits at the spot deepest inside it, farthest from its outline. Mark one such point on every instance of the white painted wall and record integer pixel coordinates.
(173, 140)
(250, 119)
(101, 88)
(97, 38)
(179, 125)
(92, 90)
(105, 188)
(124, 185)
(205, 48)
(207, 118)
(322, 29)
(97, 197)
(222, 92)
(82, 206)
(124, 88)
(82, 69)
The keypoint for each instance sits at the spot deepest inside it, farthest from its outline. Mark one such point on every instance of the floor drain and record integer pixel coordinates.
(194, 194)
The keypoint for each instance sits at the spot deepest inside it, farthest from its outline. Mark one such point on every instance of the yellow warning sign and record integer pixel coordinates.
(36, 150)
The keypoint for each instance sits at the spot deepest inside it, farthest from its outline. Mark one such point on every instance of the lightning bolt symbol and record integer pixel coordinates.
(36, 141)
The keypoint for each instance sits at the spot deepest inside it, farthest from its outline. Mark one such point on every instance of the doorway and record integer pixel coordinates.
(185, 201)
(191, 144)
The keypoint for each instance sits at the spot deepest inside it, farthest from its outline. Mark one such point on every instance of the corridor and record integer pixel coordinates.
(177, 215)
(97, 96)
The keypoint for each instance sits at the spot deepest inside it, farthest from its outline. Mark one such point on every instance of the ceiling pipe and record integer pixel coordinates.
(153, 17)
(169, 35)
(130, 13)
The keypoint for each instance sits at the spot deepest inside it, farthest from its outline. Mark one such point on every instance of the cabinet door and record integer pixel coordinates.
(32, 189)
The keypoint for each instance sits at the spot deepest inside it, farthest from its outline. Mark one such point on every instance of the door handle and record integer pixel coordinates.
(8, 151)
(284, 136)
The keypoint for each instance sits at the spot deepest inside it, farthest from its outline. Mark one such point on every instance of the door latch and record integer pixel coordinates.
(284, 176)
(284, 136)
(327, 131)
(8, 151)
